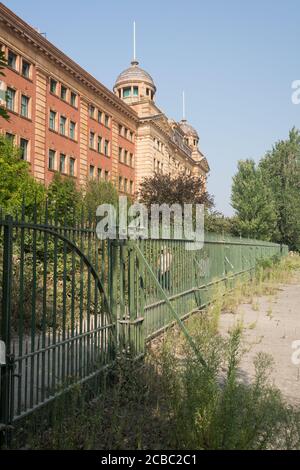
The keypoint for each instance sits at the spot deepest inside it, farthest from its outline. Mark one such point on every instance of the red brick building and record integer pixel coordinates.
(65, 120)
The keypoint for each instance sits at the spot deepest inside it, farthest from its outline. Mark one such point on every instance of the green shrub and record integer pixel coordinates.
(17, 185)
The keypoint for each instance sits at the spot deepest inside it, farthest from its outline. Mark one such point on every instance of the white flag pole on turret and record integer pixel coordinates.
(134, 42)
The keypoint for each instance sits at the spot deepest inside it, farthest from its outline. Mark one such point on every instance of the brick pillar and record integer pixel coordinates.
(39, 162)
(114, 153)
(83, 139)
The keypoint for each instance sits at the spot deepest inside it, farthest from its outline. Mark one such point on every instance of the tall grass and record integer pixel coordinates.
(171, 402)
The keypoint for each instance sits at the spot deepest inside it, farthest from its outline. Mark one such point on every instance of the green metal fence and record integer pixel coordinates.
(71, 302)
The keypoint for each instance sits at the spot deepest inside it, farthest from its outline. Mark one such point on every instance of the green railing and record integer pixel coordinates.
(71, 302)
(189, 281)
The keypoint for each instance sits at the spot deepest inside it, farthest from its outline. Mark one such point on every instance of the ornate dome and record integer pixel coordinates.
(134, 73)
(188, 129)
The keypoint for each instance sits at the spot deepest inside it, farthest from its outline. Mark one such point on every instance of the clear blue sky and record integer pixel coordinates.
(235, 59)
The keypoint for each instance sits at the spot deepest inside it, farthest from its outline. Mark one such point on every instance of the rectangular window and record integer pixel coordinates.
(125, 157)
(126, 133)
(53, 85)
(131, 136)
(63, 93)
(126, 92)
(106, 148)
(120, 129)
(92, 140)
(62, 125)
(10, 99)
(120, 154)
(51, 160)
(72, 130)
(62, 163)
(24, 106)
(99, 144)
(10, 137)
(73, 99)
(72, 166)
(99, 173)
(131, 160)
(52, 120)
(12, 60)
(106, 120)
(25, 69)
(125, 185)
(106, 175)
(99, 117)
(120, 183)
(92, 169)
(24, 149)
(135, 91)
(91, 111)
(131, 187)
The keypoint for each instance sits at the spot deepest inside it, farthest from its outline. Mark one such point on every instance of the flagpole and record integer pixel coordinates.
(134, 43)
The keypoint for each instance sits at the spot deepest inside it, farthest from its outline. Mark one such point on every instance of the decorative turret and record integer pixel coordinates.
(134, 82)
(191, 135)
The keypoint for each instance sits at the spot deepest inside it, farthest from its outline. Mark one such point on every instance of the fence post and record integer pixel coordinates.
(7, 368)
(113, 283)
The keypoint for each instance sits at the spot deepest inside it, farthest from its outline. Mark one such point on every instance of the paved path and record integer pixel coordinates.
(272, 329)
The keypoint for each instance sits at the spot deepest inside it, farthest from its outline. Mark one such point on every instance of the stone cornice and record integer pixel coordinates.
(28, 34)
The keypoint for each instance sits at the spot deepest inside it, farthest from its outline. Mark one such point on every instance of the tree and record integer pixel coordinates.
(217, 222)
(3, 63)
(253, 202)
(64, 199)
(99, 192)
(163, 188)
(281, 174)
(17, 186)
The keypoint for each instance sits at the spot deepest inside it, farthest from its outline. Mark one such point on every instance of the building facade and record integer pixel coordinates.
(66, 121)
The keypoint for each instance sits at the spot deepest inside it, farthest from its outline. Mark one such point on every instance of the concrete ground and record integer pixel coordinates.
(272, 324)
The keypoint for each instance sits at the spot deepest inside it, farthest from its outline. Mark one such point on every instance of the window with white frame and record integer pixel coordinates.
(26, 68)
(24, 106)
(53, 85)
(92, 139)
(99, 144)
(10, 99)
(52, 120)
(62, 125)
(106, 148)
(12, 60)
(24, 145)
(72, 133)
(62, 163)
(73, 99)
(51, 159)
(72, 166)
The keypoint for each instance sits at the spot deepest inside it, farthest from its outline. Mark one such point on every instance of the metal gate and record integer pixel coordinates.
(57, 326)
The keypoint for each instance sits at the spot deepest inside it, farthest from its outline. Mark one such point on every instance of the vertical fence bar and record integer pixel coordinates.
(7, 369)
(113, 286)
